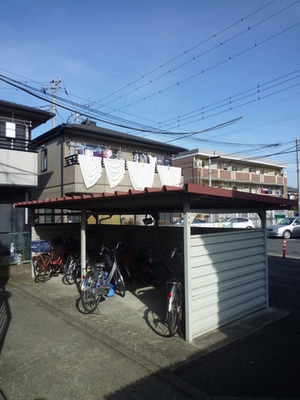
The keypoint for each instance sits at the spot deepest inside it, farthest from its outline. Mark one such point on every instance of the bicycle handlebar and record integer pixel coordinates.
(174, 251)
(115, 247)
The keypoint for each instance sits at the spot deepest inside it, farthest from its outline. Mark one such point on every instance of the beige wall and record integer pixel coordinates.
(61, 180)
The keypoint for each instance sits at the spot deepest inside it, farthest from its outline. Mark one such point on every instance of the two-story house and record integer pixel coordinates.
(242, 173)
(84, 158)
(18, 166)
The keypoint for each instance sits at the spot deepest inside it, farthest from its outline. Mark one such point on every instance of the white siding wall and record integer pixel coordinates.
(18, 168)
(228, 278)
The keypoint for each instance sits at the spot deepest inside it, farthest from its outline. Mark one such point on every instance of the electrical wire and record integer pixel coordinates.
(200, 55)
(218, 64)
(141, 127)
(214, 36)
(228, 101)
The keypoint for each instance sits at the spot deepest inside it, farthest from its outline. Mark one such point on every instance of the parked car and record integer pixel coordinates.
(286, 228)
(195, 222)
(238, 222)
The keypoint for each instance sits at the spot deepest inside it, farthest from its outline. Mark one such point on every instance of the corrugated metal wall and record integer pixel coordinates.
(138, 237)
(228, 278)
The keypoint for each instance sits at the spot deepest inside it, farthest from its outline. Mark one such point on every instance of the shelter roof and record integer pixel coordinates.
(167, 199)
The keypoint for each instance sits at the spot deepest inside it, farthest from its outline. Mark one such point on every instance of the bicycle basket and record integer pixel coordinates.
(40, 246)
(107, 258)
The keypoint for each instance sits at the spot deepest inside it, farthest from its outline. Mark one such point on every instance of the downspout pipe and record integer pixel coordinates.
(83, 242)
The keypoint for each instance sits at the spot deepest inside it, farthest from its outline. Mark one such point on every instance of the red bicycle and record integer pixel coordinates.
(45, 264)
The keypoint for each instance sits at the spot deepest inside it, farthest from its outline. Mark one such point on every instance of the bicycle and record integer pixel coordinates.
(154, 269)
(175, 296)
(72, 269)
(125, 262)
(155, 273)
(97, 282)
(46, 264)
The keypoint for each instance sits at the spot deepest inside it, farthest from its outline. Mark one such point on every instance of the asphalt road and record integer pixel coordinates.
(264, 364)
(44, 357)
(292, 249)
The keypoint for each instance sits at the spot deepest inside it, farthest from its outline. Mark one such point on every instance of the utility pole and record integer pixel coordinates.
(298, 175)
(54, 82)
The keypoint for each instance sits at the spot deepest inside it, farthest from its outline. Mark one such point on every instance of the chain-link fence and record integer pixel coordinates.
(15, 248)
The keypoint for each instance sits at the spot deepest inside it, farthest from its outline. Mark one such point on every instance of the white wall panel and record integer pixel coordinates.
(228, 278)
(18, 168)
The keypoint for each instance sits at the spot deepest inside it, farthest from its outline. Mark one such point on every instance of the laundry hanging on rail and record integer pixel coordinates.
(141, 174)
(115, 171)
(169, 176)
(91, 169)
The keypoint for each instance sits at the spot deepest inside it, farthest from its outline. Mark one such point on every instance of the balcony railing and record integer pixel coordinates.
(16, 144)
(71, 160)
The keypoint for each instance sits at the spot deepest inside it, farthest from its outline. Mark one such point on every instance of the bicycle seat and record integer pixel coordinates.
(99, 265)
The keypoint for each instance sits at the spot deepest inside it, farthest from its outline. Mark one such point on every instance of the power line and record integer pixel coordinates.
(228, 101)
(200, 55)
(218, 64)
(187, 51)
(108, 119)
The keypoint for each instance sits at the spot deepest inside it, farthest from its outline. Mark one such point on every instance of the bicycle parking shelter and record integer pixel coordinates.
(225, 270)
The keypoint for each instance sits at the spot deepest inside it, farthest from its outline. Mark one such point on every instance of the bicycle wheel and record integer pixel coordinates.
(147, 275)
(126, 274)
(71, 269)
(42, 268)
(62, 267)
(173, 316)
(88, 296)
(119, 282)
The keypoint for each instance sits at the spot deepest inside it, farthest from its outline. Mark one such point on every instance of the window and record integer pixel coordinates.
(45, 216)
(234, 168)
(44, 160)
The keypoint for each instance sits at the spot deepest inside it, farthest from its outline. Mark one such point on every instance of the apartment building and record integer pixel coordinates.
(242, 173)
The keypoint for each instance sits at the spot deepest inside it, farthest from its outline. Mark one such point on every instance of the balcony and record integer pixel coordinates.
(73, 181)
(18, 168)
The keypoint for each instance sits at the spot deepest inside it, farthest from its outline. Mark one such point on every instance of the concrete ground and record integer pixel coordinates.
(255, 357)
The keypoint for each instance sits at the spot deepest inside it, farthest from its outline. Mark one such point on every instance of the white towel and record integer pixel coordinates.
(152, 160)
(169, 176)
(141, 174)
(91, 169)
(115, 171)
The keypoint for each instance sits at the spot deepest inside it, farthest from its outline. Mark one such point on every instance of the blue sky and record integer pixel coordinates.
(151, 68)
